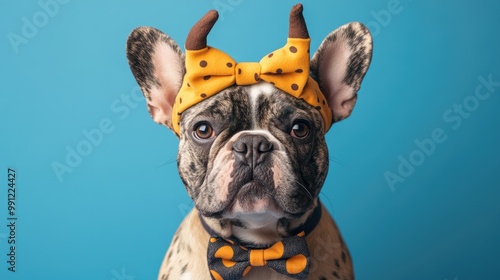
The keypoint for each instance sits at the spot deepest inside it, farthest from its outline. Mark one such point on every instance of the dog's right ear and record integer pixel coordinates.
(157, 63)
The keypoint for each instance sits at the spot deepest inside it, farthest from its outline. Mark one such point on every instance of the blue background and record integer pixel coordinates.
(113, 215)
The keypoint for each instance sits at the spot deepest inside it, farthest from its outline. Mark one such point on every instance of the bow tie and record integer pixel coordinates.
(210, 71)
(228, 260)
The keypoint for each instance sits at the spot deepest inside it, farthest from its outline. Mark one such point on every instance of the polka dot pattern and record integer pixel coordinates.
(248, 73)
(229, 260)
(224, 252)
(215, 275)
(210, 71)
(296, 264)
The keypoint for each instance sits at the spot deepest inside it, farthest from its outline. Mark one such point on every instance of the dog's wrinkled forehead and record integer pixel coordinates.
(231, 103)
(259, 106)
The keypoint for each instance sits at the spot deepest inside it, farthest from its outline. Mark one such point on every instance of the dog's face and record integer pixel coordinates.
(252, 150)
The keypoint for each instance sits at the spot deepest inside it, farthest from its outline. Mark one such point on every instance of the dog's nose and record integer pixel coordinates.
(252, 149)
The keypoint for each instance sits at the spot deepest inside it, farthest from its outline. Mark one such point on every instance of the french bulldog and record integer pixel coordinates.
(251, 156)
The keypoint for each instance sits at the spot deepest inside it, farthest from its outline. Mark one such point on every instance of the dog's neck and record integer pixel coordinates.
(261, 229)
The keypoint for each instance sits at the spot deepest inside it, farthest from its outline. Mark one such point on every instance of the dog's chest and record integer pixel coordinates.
(187, 255)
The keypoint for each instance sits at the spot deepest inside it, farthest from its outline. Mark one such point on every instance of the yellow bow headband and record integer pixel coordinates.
(210, 70)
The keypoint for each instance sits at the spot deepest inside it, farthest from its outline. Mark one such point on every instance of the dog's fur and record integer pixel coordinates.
(256, 203)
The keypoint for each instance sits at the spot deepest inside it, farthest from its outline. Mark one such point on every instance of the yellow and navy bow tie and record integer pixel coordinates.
(228, 260)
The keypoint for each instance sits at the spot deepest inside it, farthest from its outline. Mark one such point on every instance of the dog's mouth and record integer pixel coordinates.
(250, 198)
(254, 197)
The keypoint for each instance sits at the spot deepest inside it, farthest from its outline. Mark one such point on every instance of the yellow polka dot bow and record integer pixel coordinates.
(209, 70)
(229, 260)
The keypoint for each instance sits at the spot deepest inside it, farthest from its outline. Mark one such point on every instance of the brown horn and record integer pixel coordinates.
(298, 28)
(197, 37)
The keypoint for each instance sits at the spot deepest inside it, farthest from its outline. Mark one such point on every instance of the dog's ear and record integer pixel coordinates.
(339, 65)
(157, 63)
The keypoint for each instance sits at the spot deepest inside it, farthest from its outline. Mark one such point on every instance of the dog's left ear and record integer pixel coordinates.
(340, 64)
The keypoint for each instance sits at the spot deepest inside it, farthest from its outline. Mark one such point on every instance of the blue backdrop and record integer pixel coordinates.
(414, 178)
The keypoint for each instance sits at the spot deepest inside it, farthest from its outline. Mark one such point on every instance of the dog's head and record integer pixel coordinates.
(250, 150)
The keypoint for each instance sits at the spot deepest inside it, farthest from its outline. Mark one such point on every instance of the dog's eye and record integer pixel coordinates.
(204, 131)
(300, 129)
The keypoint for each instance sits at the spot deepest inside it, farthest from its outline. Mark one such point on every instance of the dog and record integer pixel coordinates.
(252, 152)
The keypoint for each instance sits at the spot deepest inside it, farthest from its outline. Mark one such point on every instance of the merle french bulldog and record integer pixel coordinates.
(252, 152)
